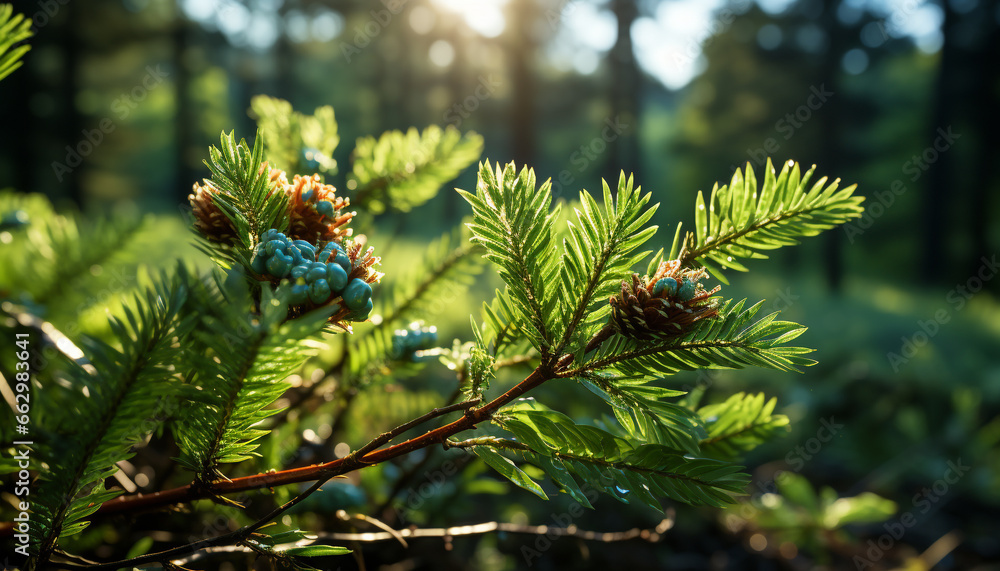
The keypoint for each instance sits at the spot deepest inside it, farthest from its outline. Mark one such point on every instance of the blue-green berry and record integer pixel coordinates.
(406, 341)
(307, 249)
(364, 312)
(273, 246)
(315, 273)
(667, 285)
(276, 267)
(336, 277)
(343, 260)
(426, 338)
(259, 262)
(279, 265)
(332, 249)
(319, 291)
(307, 195)
(325, 207)
(686, 291)
(357, 294)
(299, 271)
(418, 339)
(399, 346)
(300, 294)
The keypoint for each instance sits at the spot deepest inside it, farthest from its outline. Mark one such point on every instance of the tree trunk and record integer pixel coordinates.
(986, 124)
(830, 150)
(523, 19)
(626, 83)
(72, 123)
(936, 208)
(184, 119)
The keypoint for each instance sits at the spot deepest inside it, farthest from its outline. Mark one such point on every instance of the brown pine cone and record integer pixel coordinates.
(209, 220)
(667, 304)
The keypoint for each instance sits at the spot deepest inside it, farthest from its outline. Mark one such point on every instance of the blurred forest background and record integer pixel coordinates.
(119, 99)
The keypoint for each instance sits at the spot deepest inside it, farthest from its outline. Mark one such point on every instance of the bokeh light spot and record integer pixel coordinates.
(769, 36)
(326, 26)
(441, 53)
(422, 19)
(855, 61)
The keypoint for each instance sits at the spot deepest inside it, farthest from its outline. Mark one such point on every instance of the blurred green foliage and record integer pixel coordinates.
(903, 421)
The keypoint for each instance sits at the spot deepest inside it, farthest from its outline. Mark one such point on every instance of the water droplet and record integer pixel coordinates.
(729, 258)
(701, 207)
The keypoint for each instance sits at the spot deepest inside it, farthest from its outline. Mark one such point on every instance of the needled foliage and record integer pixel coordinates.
(401, 171)
(299, 295)
(239, 365)
(105, 410)
(742, 218)
(297, 142)
(14, 29)
(559, 306)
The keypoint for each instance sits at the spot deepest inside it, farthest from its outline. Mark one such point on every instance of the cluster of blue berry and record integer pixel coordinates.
(406, 342)
(324, 207)
(313, 277)
(670, 288)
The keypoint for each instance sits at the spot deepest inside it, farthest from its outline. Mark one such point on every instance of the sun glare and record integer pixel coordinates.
(484, 16)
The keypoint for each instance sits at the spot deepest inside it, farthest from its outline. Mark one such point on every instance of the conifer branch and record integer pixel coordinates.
(614, 234)
(188, 493)
(740, 219)
(515, 446)
(14, 29)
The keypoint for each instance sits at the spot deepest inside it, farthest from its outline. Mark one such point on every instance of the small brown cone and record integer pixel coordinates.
(209, 220)
(639, 314)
